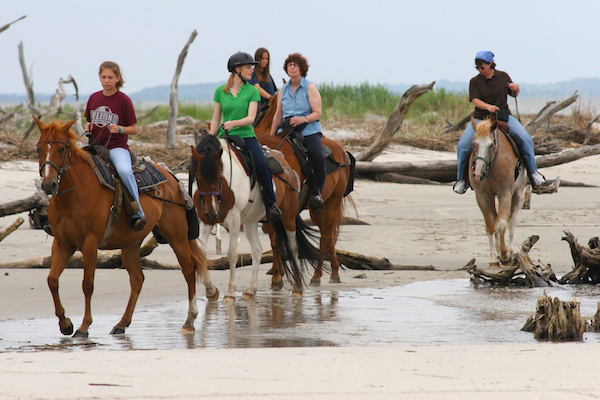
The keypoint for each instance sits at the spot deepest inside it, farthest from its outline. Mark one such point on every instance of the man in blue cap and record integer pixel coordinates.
(489, 92)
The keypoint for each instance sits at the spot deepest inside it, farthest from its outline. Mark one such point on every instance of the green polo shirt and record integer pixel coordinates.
(234, 108)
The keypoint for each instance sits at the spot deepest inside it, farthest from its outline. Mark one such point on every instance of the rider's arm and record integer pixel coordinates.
(216, 119)
(485, 106)
(263, 92)
(277, 117)
(314, 99)
(248, 120)
(515, 89)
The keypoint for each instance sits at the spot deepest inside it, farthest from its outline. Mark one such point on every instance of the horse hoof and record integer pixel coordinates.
(277, 285)
(315, 282)
(248, 296)
(494, 265)
(81, 334)
(188, 329)
(297, 293)
(67, 329)
(335, 279)
(117, 330)
(214, 296)
(228, 299)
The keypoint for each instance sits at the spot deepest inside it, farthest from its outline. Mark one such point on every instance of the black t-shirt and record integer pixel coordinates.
(268, 87)
(492, 91)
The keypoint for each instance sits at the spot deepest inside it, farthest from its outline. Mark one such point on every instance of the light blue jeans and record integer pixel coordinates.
(121, 159)
(515, 130)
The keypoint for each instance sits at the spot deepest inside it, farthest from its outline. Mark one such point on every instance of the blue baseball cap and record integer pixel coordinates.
(485, 55)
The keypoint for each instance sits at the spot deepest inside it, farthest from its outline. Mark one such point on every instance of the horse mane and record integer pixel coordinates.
(208, 167)
(483, 128)
(264, 126)
(54, 131)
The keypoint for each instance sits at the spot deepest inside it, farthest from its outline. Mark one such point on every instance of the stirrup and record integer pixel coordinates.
(273, 213)
(316, 203)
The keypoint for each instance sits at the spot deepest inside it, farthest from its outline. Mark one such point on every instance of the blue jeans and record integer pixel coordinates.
(515, 130)
(121, 159)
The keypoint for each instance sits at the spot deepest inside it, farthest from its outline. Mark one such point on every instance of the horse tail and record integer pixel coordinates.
(201, 262)
(305, 237)
(293, 270)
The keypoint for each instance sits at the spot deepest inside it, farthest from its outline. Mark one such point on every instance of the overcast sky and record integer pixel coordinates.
(345, 41)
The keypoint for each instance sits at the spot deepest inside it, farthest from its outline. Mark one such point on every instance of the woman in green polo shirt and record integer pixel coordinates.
(237, 101)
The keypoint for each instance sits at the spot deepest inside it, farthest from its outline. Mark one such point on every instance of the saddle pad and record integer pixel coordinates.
(146, 174)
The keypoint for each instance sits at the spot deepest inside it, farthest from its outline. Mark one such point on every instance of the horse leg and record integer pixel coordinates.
(90, 256)
(504, 210)
(515, 207)
(327, 221)
(60, 257)
(488, 210)
(233, 226)
(205, 230)
(277, 268)
(251, 231)
(131, 262)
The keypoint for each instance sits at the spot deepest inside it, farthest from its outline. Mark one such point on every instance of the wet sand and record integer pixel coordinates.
(410, 224)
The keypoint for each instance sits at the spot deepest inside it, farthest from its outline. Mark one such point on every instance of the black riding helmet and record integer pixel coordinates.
(238, 59)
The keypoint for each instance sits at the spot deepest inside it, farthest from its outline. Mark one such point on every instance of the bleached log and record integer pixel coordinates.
(460, 125)
(556, 320)
(586, 261)
(4, 232)
(173, 98)
(394, 121)
(588, 130)
(28, 83)
(5, 27)
(548, 111)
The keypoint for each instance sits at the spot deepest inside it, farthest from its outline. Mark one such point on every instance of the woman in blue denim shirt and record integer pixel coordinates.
(300, 99)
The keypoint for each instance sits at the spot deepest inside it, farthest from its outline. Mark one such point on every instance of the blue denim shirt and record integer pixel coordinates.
(298, 105)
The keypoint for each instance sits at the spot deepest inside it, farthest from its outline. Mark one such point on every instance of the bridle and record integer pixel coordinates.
(488, 161)
(64, 168)
(219, 195)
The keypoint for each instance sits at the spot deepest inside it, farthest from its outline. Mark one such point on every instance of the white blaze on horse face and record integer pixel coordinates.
(483, 151)
(47, 166)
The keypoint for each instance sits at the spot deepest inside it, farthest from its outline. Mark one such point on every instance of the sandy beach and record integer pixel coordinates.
(408, 224)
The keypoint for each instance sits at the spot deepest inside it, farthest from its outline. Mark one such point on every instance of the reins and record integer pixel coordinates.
(62, 170)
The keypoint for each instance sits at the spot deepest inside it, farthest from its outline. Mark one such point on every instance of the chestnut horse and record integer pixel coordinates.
(496, 173)
(226, 196)
(334, 192)
(78, 212)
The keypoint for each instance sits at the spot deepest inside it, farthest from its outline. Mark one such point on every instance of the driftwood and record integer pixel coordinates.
(4, 232)
(37, 201)
(460, 125)
(148, 113)
(173, 98)
(397, 178)
(5, 27)
(106, 259)
(28, 83)
(556, 320)
(586, 261)
(588, 130)
(445, 171)
(393, 124)
(548, 111)
(521, 271)
(549, 188)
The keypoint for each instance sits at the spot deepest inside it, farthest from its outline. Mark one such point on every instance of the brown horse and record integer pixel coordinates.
(334, 192)
(226, 195)
(496, 173)
(78, 212)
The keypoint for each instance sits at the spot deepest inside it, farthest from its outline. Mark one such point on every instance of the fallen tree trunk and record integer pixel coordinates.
(459, 126)
(19, 206)
(548, 111)
(586, 261)
(4, 232)
(445, 171)
(522, 271)
(556, 320)
(394, 121)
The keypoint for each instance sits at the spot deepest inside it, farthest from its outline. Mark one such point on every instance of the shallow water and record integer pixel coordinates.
(430, 312)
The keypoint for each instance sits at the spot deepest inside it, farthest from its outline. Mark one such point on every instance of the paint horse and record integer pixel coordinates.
(338, 185)
(496, 172)
(78, 214)
(226, 195)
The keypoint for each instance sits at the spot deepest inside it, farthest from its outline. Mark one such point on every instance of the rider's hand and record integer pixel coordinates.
(228, 125)
(114, 128)
(513, 87)
(492, 108)
(294, 121)
(88, 127)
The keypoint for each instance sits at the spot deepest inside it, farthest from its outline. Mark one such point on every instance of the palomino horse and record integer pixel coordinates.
(226, 196)
(78, 212)
(334, 192)
(496, 173)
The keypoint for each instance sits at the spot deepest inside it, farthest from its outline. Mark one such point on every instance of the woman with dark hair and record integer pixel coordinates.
(261, 77)
(488, 91)
(300, 102)
(111, 119)
(238, 101)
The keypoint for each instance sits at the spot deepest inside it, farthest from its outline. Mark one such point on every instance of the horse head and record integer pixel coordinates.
(55, 152)
(484, 148)
(208, 167)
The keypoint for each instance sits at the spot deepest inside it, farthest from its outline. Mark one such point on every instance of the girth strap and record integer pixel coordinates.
(114, 213)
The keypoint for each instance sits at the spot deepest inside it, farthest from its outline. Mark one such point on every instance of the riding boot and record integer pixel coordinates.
(272, 212)
(316, 203)
(137, 220)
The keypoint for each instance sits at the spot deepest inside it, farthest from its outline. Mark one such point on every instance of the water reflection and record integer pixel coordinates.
(433, 312)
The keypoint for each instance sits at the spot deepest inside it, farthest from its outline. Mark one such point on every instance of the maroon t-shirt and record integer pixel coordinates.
(492, 91)
(102, 111)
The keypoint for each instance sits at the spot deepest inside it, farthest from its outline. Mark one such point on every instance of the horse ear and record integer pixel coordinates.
(494, 124)
(474, 123)
(39, 123)
(195, 153)
(208, 124)
(68, 126)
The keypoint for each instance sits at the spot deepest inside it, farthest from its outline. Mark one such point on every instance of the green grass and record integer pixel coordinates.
(201, 112)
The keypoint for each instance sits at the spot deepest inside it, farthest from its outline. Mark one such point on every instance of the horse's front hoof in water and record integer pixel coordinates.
(315, 282)
(81, 334)
(117, 330)
(248, 296)
(214, 296)
(186, 329)
(277, 285)
(66, 328)
(335, 279)
(297, 293)
(228, 299)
